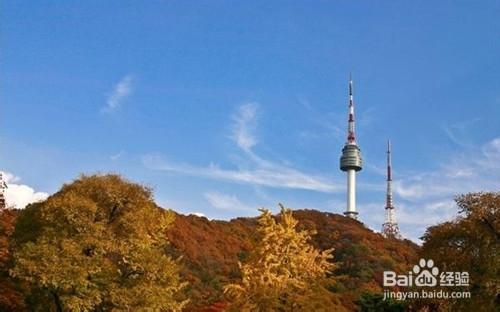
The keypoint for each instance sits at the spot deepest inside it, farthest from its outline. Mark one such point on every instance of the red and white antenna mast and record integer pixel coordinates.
(390, 226)
(351, 161)
(351, 136)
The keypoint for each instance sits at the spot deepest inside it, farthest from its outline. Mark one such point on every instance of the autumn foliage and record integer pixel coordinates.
(470, 243)
(212, 249)
(11, 297)
(284, 272)
(97, 244)
(102, 244)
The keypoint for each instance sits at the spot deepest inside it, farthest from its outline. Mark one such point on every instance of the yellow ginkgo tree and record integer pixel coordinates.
(284, 271)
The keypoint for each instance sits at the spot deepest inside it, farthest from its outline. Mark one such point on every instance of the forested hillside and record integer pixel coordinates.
(211, 250)
(102, 244)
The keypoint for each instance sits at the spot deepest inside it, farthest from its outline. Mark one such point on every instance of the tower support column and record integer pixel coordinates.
(351, 194)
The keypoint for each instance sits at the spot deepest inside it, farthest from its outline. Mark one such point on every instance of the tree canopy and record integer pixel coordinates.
(470, 243)
(97, 244)
(11, 297)
(284, 272)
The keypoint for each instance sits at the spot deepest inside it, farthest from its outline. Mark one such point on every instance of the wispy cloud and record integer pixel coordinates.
(244, 124)
(474, 170)
(262, 172)
(20, 195)
(226, 202)
(412, 217)
(327, 126)
(457, 132)
(367, 117)
(273, 176)
(427, 198)
(117, 156)
(333, 125)
(119, 93)
(422, 199)
(305, 103)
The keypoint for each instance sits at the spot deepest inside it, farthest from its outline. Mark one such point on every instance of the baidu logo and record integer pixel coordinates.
(426, 274)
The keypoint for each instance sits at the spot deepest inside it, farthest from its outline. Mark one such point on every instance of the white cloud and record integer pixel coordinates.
(471, 171)
(491, 155)
(198, 214)
(412, 218)
(20, 195)
(261, 172)
(226, 202)
(9, 177)
(366, 117)
(425, 214)
(458, 132)
(409, 190)
(244, 126)
(121, 90)
(271, 176)
(427, 198)
(421, 199)
(116, 156)
(329, 125)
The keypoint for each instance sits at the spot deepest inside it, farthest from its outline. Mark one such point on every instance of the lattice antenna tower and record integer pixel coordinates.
(390, 226)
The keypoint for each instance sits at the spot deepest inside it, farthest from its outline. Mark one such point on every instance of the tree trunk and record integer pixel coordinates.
(57, 302)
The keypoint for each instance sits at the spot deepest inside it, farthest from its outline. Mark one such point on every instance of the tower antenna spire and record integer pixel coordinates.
(351, 161)
(351, 136)
(390, 226)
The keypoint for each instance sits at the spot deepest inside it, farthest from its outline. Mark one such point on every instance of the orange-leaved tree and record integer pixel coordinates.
(470, 243)
(11, 298)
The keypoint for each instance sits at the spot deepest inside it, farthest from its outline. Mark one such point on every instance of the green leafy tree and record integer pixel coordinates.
(284, 272)
(98, 244)
(470, 243)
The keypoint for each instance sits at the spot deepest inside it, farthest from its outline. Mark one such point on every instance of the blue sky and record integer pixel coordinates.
(226, 106)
